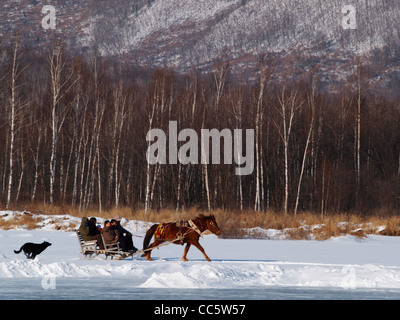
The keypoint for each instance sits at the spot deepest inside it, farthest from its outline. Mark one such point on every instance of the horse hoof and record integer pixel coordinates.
(184, 259)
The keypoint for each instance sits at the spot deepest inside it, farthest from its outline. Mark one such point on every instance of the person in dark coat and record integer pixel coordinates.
(93, 229)
(125, 237)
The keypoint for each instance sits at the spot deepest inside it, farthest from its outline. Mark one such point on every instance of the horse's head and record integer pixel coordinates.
(210, 223)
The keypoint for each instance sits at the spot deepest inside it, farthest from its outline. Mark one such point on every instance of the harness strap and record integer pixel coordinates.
(195, 228)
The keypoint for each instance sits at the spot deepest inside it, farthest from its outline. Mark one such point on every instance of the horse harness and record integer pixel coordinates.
(160, 231)
(195, 228)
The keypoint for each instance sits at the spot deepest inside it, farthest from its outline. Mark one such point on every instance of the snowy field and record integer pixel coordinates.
(340, 268)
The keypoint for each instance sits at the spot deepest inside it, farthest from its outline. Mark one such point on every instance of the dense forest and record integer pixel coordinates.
(73, 131)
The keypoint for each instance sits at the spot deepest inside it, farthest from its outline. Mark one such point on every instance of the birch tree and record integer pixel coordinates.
(237, 110)
(311, 103)
(259, 199)
(288, 105)
(59, 86)
(15, 111)
(118, 124)
(155, 110)
(94, 147)
(357, 138)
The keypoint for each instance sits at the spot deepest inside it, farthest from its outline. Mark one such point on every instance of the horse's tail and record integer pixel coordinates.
(148, 236)
(18, 251)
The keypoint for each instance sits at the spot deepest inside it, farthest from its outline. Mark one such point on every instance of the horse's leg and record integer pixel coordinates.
(198, 246)
(147, 254)
(185, 252)
(154, 244)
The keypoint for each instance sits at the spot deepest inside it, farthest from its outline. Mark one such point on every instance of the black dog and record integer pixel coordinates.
(31, 250)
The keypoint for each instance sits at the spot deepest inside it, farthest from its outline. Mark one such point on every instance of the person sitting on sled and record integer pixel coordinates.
(110, 233)
(125, 237)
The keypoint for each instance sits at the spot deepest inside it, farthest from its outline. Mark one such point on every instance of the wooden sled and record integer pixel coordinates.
(89, 248)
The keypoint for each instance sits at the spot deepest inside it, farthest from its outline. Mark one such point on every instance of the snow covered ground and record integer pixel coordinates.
(340, 268)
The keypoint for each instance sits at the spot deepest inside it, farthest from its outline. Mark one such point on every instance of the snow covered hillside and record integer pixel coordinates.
(195, 32)
(345, 263)
(183, 34)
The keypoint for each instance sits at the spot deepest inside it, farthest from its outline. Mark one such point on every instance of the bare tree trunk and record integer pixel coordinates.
(358, 141)
(312, 104)
(119, 117)
(82, 188)
(288, 106)
(238, 113)
(36, 160)
(323, 189)
(258, 203)
(178, 192)
(4, 171)
(205, 166)
(21, 174)
(56, 69)
(94, 147)
(207, 185)
(220, 79)
(14, 75)
(99, 189)
(78, 137)
(14, 119)
(147, 199)
(150, 116)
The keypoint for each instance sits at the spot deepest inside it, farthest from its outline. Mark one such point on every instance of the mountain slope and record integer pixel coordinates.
(183, 34)
(199, 30)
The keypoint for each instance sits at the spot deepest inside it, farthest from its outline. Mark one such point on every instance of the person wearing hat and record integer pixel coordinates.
(89, 231)
(110, 233)
(125, 237)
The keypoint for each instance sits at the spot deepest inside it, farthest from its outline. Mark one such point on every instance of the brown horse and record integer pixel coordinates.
(180, 233)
